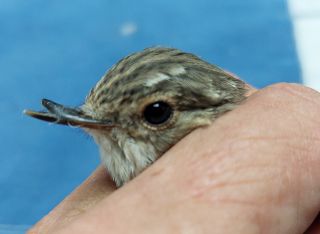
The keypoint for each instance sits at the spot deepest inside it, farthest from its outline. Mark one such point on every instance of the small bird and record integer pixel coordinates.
(145, 104)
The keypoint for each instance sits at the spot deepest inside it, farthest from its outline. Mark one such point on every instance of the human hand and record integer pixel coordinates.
(255, 170)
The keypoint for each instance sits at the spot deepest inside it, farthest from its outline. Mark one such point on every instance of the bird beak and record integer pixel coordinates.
(60, 114)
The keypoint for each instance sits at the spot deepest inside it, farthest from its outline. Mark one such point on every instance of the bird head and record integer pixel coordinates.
(145, 104)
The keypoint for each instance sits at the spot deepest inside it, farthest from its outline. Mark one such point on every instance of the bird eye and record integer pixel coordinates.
(157, 113)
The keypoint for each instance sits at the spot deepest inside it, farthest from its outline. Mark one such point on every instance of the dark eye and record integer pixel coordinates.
(157, 113)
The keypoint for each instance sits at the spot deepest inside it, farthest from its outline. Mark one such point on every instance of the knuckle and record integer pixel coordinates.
(294, 97)
(293, 90)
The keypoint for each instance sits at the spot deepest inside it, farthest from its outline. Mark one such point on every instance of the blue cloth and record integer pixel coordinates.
(59, 50)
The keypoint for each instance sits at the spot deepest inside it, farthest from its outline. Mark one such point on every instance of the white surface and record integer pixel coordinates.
(304, 8)
(306, 22)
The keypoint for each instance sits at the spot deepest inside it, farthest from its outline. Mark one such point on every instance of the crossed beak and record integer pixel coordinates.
(59, 114)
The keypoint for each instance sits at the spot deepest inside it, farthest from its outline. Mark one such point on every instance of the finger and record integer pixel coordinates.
(92, 190)
(255, 170)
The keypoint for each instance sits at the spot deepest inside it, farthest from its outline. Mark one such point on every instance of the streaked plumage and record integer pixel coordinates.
(195, 91)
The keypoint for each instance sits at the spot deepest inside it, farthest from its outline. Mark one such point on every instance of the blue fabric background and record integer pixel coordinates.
(59, 50)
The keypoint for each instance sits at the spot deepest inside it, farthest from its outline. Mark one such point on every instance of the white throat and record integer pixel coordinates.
(123, 156)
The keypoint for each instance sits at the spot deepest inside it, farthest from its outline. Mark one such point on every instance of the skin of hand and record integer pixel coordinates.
(255, 170)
